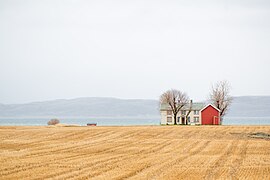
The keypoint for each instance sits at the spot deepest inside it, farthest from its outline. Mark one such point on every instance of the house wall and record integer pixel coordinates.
(191, 115)
(208, 114)
(163, 117)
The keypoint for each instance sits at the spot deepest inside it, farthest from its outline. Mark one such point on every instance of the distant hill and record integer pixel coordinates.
(250, 106)
(83, 107)
(245, 106)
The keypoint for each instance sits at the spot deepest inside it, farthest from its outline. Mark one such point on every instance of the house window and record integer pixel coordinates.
(196, 119)
(188, 119)
(169, 112)
(169, 119)
(183, 112)
(196, 112)
(178, 119)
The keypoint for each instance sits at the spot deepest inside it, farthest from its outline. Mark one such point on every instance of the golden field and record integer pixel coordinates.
(135, 152)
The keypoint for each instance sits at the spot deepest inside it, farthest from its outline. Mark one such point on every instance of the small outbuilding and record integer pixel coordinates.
(210, 115)
(91, 124)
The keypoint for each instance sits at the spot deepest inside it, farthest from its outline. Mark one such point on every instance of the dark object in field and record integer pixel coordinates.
(260, 135)
(91, 124)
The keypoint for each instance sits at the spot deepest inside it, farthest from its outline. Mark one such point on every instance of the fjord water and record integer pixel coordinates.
(103, 121)
(120, 121)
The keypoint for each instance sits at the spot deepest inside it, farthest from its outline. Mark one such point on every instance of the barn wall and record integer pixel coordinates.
(208, 114)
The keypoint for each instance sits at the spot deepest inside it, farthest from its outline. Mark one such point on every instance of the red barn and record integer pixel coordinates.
(210, 115)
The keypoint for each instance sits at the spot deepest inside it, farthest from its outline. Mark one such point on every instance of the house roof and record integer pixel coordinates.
(195, 106)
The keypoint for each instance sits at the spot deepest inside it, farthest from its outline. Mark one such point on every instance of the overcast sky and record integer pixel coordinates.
(52, 49)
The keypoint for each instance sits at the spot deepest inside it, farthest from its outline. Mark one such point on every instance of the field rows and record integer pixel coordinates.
(146, 152)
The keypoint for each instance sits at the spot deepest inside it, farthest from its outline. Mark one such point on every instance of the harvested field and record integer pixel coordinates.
(146, 152)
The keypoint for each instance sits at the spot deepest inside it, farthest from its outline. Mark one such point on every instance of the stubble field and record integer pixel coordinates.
(146, 152)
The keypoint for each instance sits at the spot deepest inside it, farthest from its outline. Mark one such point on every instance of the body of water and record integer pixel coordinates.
(102, 121)
(246, 121)
(41, 121)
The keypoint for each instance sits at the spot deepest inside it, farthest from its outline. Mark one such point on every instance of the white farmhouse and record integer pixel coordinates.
(191, 114)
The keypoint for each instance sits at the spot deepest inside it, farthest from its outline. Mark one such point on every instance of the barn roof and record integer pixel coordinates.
(210, 105)
(195, 106)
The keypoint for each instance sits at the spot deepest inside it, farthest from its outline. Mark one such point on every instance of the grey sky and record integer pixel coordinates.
(132, 49)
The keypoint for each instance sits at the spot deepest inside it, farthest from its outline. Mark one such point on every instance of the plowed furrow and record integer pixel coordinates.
(85, 173)
(213, 171)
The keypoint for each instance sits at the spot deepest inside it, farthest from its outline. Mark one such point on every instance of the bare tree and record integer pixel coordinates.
(53, 122)
(220, 97)
(189, 111)
(176, 100)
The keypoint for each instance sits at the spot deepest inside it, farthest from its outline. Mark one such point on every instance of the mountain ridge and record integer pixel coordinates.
(242, 106)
